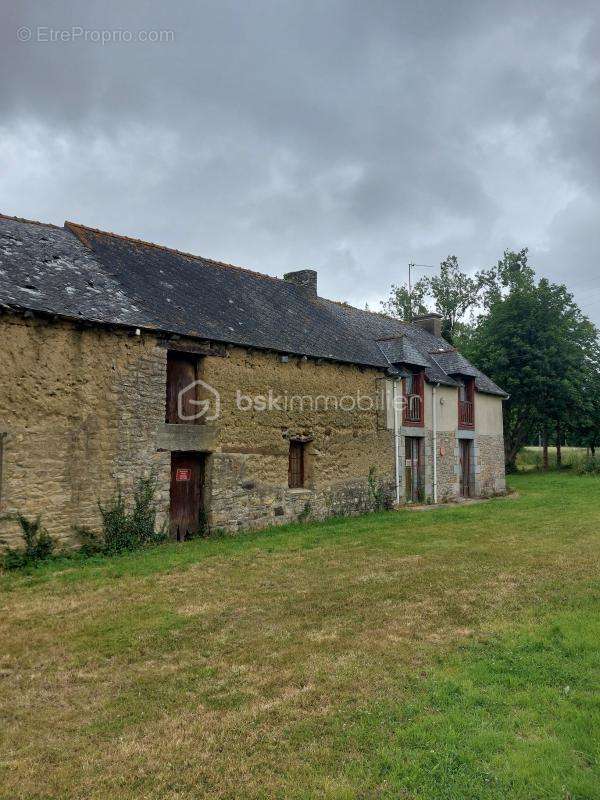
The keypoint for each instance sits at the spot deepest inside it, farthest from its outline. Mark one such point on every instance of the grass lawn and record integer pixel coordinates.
(453, 653)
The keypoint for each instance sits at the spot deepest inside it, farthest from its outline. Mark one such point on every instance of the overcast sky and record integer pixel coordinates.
(351, 137)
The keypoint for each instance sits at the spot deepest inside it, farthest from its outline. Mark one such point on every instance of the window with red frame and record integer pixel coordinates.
(413, 399)
(466, 403)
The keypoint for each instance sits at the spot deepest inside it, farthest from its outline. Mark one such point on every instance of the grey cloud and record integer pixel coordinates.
(348, 136)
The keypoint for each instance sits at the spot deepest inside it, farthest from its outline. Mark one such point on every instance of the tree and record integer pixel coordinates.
(505, 347)
(454, 293)
(404, 304)
(512, 272)
(535, 343)
(571, 339)
(584, 430)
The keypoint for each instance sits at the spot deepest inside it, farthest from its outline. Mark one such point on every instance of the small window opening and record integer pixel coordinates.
(296, 469)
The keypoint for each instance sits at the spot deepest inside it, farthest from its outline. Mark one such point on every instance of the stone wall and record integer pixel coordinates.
(82, 408)
(489, 466)
(447, 466)
(241, 499)
(79, 408)
(249, 470)
(447, 461)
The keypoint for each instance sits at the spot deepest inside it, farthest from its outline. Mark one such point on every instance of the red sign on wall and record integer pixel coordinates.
(183, 474)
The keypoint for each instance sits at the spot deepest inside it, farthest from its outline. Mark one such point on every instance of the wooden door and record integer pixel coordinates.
(181, 374)
(413, 465)
(465, 450)
(187, 494)
(296, 465)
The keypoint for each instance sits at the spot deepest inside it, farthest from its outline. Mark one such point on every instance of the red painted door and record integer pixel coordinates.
(187, 490)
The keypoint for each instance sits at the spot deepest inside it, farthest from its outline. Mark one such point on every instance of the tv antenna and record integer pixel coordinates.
(412, 266)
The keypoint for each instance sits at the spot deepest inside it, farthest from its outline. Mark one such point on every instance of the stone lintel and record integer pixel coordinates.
(187, 437)
(413, 431)
(196, 347)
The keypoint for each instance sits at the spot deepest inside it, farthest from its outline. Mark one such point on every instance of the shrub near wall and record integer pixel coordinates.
(123, 529)
(39, 545)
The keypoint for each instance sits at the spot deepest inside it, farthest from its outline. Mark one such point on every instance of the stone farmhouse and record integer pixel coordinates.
(254, 400)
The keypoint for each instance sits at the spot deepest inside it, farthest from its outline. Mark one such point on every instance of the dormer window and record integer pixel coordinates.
(466, 402)
(413, 393)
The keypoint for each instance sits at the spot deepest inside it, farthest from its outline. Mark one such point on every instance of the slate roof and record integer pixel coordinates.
(400, 350)
(83, 273)
(453, 363)
(45, 268)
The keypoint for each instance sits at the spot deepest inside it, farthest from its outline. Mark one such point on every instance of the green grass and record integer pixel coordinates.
(453, 653)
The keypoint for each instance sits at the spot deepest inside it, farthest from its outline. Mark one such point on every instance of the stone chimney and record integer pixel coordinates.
(305, 278)
(430, 322)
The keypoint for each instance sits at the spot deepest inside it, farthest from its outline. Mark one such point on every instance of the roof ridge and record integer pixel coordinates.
(30, 221)
(207, 301)
(78, 230)
(345, 304)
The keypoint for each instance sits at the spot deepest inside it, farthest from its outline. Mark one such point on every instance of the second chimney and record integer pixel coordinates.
(306, 278)
(430, 322)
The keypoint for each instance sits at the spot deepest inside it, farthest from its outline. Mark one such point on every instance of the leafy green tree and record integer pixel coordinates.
(454, 293)
(535, 343)
(505, 345)
(584, 429)
(511, 273)
(571, 341)
(404, 304)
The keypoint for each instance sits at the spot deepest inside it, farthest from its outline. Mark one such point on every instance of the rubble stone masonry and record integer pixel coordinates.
(83, 407)
(79, 409)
